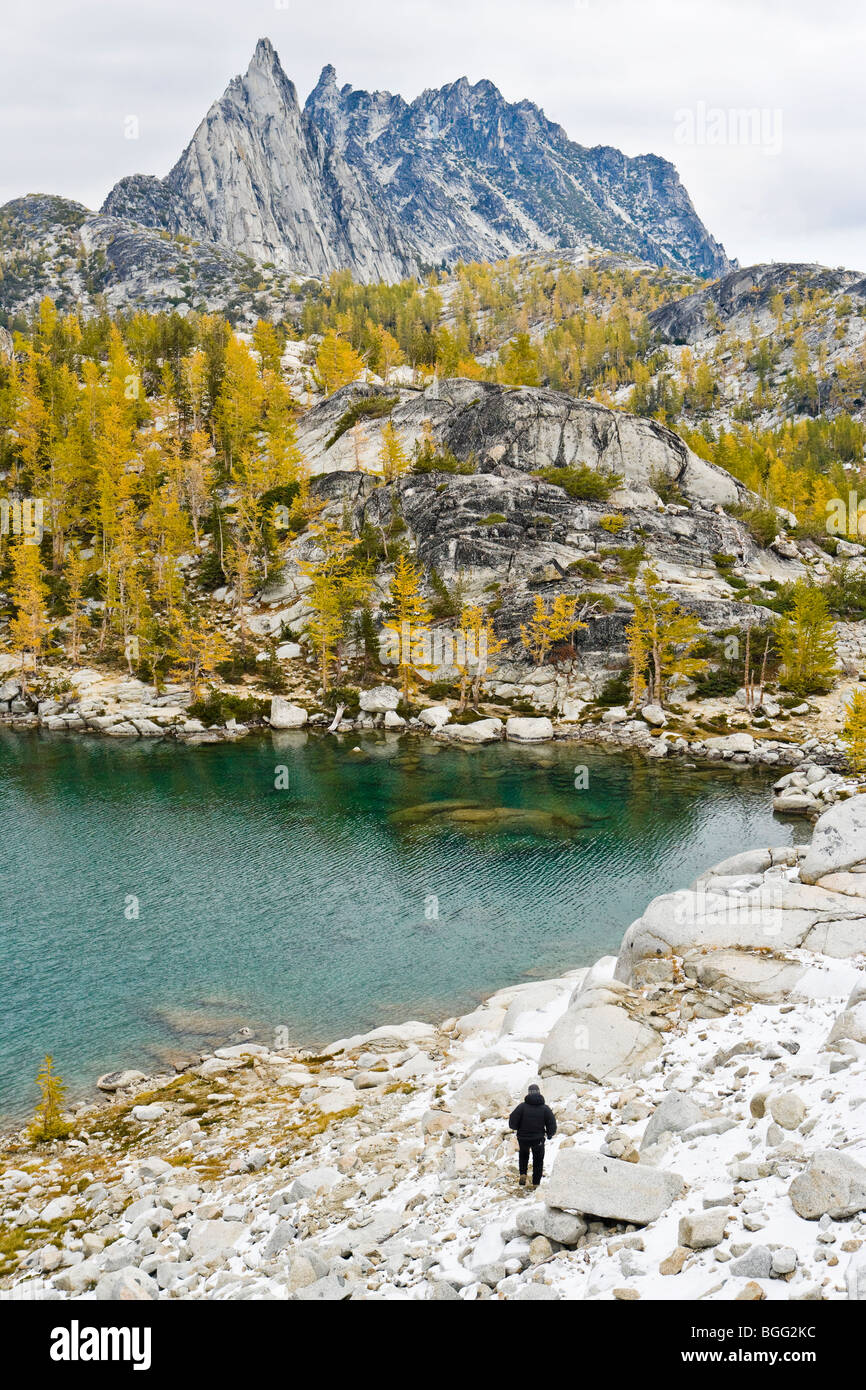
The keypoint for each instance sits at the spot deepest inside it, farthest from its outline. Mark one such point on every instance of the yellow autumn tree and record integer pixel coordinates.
(477, 643)
(337, 364)
(662, 638)
(338, 587)
(239, 403)
(407, 613)
(75, 574)
(195, 479)
(268, 345)
(854, 732)
(29, 627)
(392, 455)
(806, 639)
(385, 352)
(48, 1122)
(549, 625)
(198, 649)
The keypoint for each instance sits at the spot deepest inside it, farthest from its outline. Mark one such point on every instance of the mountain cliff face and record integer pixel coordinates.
(385, 187)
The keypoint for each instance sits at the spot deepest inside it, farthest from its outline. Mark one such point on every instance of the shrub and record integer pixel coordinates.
(583, 484)
(616, 691)
(587, 569)
(429, 459)
(446, 603)
(760, 520)
(628, 557)
(219, 706)
(442, 690)
(724, 563)
(346, 695)
(606, 602)
(494, 519)
(613, 523)
(666, 487)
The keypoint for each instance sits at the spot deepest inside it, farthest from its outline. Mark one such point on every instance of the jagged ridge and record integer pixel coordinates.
(385, 188)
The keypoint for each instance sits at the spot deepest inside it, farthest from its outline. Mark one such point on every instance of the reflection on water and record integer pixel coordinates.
(350, 889)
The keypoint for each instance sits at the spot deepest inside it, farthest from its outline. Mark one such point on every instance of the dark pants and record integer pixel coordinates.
(536, 1147)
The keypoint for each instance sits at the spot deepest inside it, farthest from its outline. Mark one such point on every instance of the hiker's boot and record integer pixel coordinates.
(521, 1181)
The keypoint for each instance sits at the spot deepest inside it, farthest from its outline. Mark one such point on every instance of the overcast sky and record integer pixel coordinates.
(662, 76)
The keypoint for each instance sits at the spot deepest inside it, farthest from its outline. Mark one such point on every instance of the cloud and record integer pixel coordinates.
(616, 72)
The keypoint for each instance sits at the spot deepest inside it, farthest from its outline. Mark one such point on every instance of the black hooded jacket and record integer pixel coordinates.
(532, 1119)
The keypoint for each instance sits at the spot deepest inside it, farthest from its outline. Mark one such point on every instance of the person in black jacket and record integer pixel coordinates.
(533, 1122)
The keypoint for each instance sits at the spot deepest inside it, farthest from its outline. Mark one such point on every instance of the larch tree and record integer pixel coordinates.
(407, 611)
(339, 586)
(196, 479)
(392, 455)
(198, 649)
(337, 364)
(549, 625)
(239, 404)
(268, 346)
(663, 637)
(806, 638)
(75, 574)
(479, 643)
(48, 1122)
(854, 732)
(29, 627)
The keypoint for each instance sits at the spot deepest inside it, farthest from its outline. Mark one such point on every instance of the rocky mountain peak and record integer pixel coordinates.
(386, 188)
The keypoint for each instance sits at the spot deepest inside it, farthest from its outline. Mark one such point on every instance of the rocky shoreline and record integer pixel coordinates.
(709, 1085)
(814, 768)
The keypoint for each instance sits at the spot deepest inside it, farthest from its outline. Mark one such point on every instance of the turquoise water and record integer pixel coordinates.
(328, 905)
